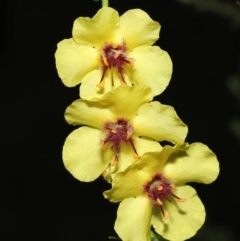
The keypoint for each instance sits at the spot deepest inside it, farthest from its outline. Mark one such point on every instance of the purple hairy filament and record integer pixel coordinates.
(114, 57)
(116, 133)
(160, 189)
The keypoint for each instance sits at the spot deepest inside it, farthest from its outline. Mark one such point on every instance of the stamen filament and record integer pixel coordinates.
(181, 200)
(135, 154)
(112, 76)
(102, 81)
(165, 214)
(122, 78)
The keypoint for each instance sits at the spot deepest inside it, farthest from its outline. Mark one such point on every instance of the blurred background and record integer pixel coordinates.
(39, 199)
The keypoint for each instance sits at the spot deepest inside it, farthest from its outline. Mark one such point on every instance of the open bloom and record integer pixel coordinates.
(154, 192)
(121, 126)
(108, 50)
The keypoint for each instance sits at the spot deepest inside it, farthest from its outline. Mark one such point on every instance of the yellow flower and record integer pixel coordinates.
(108, 50)
(154, 192)
(121, 126)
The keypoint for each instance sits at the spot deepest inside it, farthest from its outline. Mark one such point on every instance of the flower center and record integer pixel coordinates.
(114, 57)
(160, 189)
(116, 133)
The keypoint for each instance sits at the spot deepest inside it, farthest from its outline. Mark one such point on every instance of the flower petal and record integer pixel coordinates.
(133, 219)
(82, 154)
(74, 61)
(83, 112)
(197, 164)
(185, 218)
(137, 28)
(89, 89)
(164, 124)
(98, 30)
(142, 146)
(129, 182)
(155, 161)
(152, 67)
(124, 101)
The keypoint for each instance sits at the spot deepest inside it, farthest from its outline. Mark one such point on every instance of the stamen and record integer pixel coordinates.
(128, 135)
(173, 187)
(135, 155)
(165, 216)
(105, 61)
(101, 84)
(159, 202)
(130, 62)
(116, 55)
(116, 133)
(181, 200)
(112, 76)
(122, 78)
(103, 145)
(115, 162)
(159, 188)
(102, 81)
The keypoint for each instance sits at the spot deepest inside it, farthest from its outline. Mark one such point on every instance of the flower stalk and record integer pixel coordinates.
(105, 3)
(122, 130)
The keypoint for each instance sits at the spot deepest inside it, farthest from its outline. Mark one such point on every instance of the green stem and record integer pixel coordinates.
(104, 3)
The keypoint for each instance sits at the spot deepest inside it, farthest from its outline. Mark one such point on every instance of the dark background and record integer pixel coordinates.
(39, 199)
